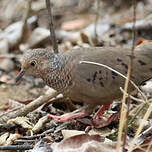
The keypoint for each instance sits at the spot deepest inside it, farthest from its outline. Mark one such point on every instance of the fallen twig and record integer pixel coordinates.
(29, 107)
(16, 147)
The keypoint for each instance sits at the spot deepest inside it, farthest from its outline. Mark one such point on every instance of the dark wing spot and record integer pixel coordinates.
(119, 60)
(100, 72)
(113, 77)
(100, 78)
(114, 73)
(101, 84)
(144, 83)
(125, 65)
(141, 62)
(94, 76)
(89, 80)
(106, 76)
(150, 69)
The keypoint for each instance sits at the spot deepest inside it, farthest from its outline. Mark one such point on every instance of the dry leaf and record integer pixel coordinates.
(82, 143)
(40, 123)
(22, 121)
(12, 138)
(8, 139)
(3, 138)
(69, 133)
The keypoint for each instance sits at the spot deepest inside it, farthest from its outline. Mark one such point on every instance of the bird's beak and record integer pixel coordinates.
(20, 75)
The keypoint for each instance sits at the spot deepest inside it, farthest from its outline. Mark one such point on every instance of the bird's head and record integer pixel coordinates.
(38, 62)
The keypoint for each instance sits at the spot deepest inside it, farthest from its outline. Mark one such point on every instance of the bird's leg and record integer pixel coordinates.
(101, 110)
(67, 116)
(82, 112)
(100, 122)
(70, 106)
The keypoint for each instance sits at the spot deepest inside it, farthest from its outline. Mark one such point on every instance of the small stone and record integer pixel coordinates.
(7, 65)
(4, 46)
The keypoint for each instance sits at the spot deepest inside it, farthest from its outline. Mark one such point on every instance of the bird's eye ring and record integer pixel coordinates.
(33, 63)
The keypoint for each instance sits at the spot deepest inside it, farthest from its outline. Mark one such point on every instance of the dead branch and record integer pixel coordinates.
(29, 107)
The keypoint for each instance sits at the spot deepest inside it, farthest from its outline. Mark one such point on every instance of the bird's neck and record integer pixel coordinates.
(60, 78)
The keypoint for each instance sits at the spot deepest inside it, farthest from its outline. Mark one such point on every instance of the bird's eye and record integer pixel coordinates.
(33, 63)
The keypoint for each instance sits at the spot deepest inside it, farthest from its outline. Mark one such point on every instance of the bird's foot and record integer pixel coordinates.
(98, 114)
(99, 123)
(98, 119)
(68, 116)
(79, 113)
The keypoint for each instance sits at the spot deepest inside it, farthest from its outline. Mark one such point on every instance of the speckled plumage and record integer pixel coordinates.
(86, 82)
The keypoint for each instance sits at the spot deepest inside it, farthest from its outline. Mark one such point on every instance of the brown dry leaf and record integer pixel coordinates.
(141, 40)
(84, 37)
(8, 139)
(22, 121)
(83, 143)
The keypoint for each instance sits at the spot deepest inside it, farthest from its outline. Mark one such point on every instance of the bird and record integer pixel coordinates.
(88, 83)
